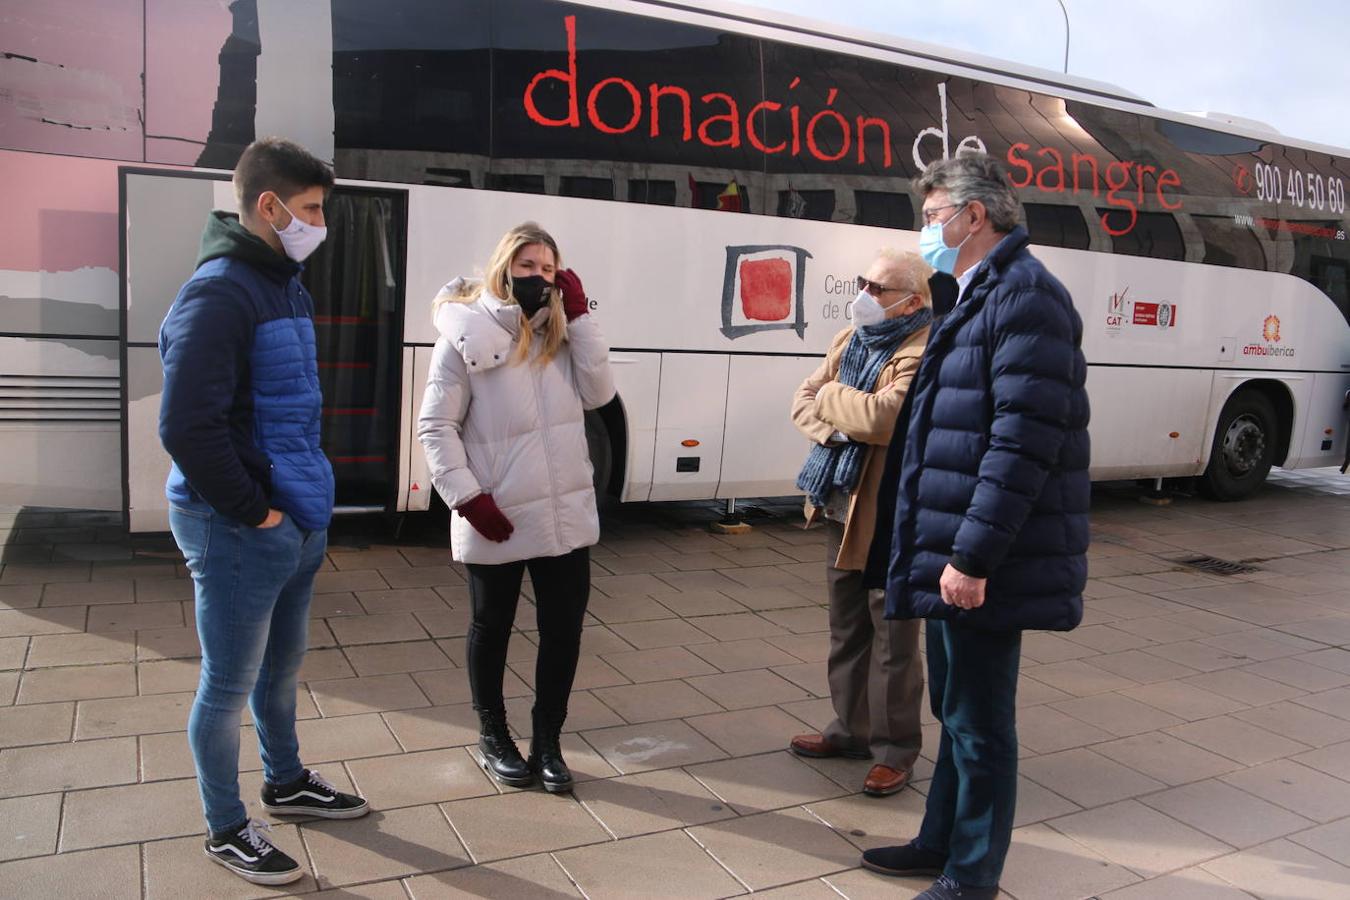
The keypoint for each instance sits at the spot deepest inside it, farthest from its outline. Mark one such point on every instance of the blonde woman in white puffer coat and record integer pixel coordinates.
(518, 361)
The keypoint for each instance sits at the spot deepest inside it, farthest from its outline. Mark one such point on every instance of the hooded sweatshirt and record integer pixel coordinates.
(240, 413)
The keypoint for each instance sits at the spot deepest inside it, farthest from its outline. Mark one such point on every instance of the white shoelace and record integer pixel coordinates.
(317, 779)
(252, 832)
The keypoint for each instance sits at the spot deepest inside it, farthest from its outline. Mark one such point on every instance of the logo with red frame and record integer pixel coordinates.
(1123, 313)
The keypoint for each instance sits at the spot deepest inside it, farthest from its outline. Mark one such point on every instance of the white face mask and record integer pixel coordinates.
(299, 239)
(867, 311)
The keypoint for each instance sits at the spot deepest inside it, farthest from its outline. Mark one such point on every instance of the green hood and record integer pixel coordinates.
(225, 235)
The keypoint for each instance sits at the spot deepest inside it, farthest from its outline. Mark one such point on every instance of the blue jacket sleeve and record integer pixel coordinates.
(1031, 383)
(205, 344)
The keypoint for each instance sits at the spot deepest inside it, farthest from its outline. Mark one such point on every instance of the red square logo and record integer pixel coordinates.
(766, 289)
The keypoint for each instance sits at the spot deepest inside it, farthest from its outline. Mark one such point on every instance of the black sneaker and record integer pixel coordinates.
(947, 889)
(250, 855)
(311, 795)
(905, 859)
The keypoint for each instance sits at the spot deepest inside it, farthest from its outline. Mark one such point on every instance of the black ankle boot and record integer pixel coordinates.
(546, 753)
(501, 759)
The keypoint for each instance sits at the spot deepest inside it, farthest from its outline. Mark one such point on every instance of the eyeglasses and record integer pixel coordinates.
(874, 288)
(930, 215)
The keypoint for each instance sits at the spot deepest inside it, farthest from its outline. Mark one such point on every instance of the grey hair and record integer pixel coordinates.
(974, 176)
(914, 271)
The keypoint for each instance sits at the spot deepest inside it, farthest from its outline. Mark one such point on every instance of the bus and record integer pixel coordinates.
(718, 176)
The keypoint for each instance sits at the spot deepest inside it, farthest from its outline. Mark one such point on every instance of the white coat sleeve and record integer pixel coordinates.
(590, 362)
(444, 406)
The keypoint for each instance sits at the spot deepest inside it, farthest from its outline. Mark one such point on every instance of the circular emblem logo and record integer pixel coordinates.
(1271, 329)
(1164, 315)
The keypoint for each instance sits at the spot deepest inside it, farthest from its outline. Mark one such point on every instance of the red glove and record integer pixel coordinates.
(573, 297)
(486, 518)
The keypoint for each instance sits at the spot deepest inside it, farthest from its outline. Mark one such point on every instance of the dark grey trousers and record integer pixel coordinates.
(874, 668)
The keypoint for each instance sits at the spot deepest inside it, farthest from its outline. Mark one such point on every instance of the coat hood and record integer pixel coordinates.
(225, 235)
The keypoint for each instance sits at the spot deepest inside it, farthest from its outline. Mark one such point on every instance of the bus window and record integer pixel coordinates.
(797, 204)
(1330, 276)
(589, 188)
(1057, 226)
(1154, 234)
(1229, 244)
(648, 190)
(885, 209)
(521, 184)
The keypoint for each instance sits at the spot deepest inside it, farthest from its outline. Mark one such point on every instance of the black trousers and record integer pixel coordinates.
(562, 587)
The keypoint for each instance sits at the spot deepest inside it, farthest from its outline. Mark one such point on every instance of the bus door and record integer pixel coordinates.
(357, 280)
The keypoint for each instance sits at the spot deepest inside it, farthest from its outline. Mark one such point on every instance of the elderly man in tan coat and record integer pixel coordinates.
(848, 408)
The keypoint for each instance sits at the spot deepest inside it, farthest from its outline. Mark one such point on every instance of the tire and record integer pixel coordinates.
(601, 452)
(1243, 449)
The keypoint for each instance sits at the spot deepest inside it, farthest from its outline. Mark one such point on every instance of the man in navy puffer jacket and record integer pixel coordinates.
(251, 493)
(987, 530)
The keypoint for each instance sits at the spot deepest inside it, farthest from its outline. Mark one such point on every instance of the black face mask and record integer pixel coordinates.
(531, 293)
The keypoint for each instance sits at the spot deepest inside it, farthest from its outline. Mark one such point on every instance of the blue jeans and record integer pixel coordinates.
(972, 686)
(252, 588)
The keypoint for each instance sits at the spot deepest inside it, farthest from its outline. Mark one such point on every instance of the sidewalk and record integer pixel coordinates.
(1190, 740)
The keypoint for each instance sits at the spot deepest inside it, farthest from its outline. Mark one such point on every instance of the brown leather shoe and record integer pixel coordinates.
(817, 746)
(883, 781)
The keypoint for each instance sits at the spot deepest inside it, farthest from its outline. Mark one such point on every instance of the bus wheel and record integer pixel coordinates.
(1244, 447)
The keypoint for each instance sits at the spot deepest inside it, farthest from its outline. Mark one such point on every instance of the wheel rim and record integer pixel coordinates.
(1244, 445)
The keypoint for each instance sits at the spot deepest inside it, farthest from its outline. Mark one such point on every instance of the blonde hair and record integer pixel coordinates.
(497, 282)
(913, 269)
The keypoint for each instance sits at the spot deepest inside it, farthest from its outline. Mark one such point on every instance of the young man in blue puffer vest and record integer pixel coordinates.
(986, 530)
(251, 493)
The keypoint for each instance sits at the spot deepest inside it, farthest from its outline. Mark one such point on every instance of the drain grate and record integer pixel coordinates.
(1216, 566)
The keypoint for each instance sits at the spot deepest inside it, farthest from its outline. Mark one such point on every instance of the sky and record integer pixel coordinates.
(1282, 63)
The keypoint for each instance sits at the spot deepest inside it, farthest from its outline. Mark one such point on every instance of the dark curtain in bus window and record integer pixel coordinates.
(889, 210)
(354, 277)
(1230, 243)
(590, 188)
(410, 75)
(643, 90)
(1321, 259)
(646, 190)
(1057, 226)
(1154, 235)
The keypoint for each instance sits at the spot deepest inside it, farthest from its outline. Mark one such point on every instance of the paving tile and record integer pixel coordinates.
(1078, 678)
(1044, 729)
(1142, 667)
(1166, 758)
(776, 848)
(167, 756)
(88, 594)
(1046, 865)
(669, 865)
(175, 869)
(135, 616)
(699, 603)
(434, 727)
(656, 700)
(77, 683)
(1087, 778)
(13, 652)
(629, 608)
(358, 580)
(1334, 760)
(407, 599)
(745, 732)
(522, 822)
(1140, 838)
(537, 877)
(742, 690)
(414, 779)
(1192, 884)
(44, 723)
(660, 633)
(1295, 672)
(132, 715)
(167, 643)
(659, 664)
(739, 655)
(652, 745)
(810, 677)
(1119, 715)
(158, 590)
(44, 573)
(1282, 869)
(324, 606)
(1251, 690)
(375, 693)
(1331, 840)
(168, 676)
(377, 629)
(1231, 815)
(650, 801)
(20, 596)
(772, 781)
(1036, 803)
(346, 559)
(1237, 740)
(28, 826)
(1186, 701)
(24, 623)
(860, 884)
(1336, 702)
(64, 767)
(387, 659)
(113, 873)
(1307, 726)
(1299, 788)
(867, 822)
(382, 845)
(129, 813)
